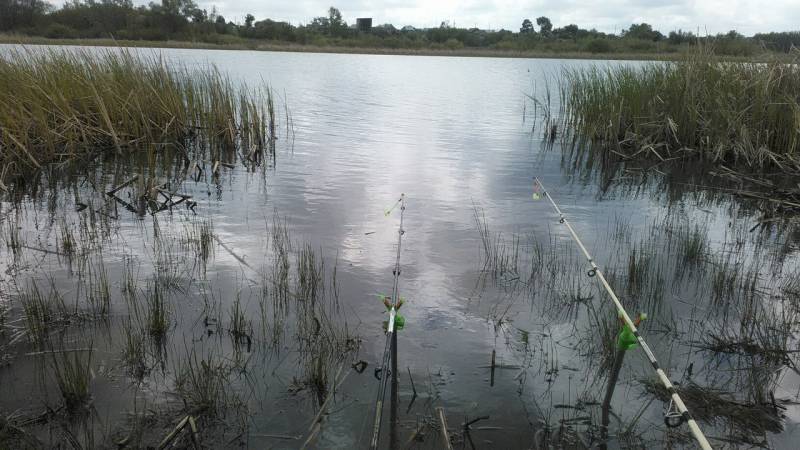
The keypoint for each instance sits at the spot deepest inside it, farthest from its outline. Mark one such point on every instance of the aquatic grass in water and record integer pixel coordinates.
(42, 310)
(501, 259)
(73, 374)
(62, 104)
(693, 245)
(198, 237)
(698, 108)
(240, 328)
(13, 238)
(67, 244)
(157, 312)
(98, 288)
(134, 350)
(745, 322)
(203, 384)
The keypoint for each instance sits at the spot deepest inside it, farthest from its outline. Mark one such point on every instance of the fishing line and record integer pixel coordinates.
(675, 399)
(392, 303)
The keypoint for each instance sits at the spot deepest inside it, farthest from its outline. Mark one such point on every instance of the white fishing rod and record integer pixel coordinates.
(392, 303)
(595, 271)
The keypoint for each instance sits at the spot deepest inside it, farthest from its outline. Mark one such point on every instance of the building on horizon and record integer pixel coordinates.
(364, 24)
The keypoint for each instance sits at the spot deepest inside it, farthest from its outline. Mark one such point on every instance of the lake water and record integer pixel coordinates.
(455, 135)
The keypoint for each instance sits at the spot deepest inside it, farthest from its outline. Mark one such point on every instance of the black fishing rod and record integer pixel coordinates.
(392, 303)
(595, 271)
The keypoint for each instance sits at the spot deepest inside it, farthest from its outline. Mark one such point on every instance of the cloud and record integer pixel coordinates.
(712, 16)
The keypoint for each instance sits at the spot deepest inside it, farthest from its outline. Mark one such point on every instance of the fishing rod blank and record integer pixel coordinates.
(390, 349)
(595, 271)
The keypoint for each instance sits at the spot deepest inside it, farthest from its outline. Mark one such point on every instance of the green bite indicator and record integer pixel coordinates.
(626, 340)
(399, 321)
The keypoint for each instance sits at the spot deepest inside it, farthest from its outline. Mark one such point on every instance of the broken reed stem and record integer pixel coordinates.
(411, 379)
(466, 425)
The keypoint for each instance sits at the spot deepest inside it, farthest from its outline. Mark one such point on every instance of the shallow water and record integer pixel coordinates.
(453, 135)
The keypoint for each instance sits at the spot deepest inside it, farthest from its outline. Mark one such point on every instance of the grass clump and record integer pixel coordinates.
(241, 328)
(73, 374)
(199, 238)
(98, 289)
(203, 384)
(694, 244)
(61, 104)
(738, 113)
(42, 311)
(67, 240)
(157, 313)
(134, 351)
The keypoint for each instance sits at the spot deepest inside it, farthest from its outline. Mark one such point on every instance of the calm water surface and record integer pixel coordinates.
(453, 134)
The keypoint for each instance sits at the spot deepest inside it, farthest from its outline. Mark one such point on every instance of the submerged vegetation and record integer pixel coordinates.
(59, 105)
(738, 334)
(117, 138)
(224, 343)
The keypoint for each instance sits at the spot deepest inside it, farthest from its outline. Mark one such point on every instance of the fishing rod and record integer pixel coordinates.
(392, 303)
(595, 271)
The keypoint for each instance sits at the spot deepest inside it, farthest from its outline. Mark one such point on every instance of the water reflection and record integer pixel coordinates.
(449, 133)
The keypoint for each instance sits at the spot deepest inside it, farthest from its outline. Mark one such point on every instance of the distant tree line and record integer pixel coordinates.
(184, 20)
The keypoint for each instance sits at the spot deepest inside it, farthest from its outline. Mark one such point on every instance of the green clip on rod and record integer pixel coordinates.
(676, 399)
(392, 303)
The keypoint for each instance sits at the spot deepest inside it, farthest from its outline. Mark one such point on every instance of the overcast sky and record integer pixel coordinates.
(714, 16)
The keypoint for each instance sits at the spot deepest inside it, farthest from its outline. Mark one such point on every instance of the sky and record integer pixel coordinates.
(703, 16)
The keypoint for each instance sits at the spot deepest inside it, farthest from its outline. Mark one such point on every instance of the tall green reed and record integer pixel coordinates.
(60, 104)
(701, 108)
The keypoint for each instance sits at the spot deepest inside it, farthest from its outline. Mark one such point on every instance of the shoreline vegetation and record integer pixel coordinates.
(61, 105)
(736, 122)
(254, 45)
(183, 24)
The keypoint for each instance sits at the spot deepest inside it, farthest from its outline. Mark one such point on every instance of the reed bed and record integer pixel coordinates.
(58, 105)
(737, 113)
